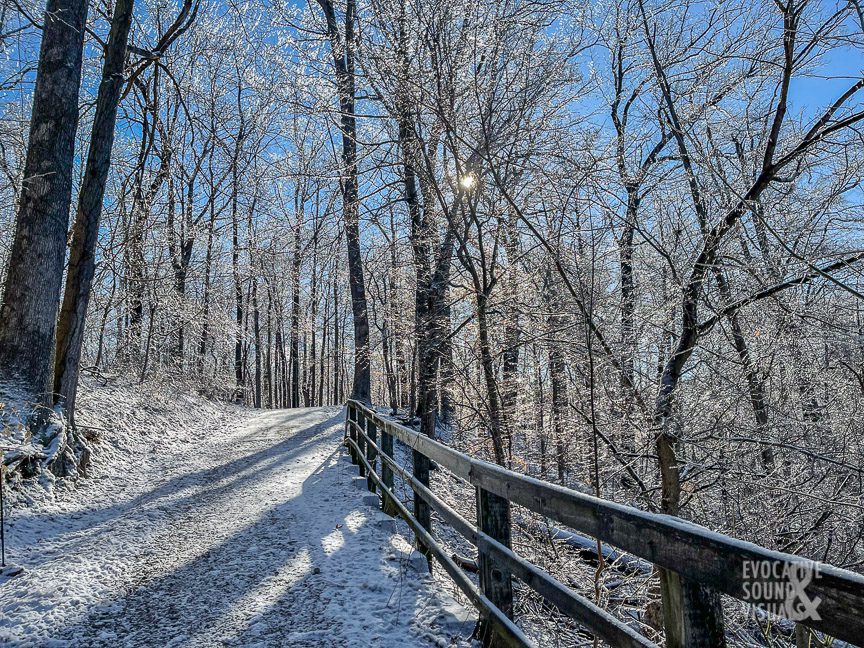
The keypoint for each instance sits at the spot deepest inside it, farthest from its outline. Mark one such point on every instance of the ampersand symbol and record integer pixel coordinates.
(800, 576)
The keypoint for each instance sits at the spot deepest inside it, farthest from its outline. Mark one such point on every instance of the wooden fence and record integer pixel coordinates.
(739, 569)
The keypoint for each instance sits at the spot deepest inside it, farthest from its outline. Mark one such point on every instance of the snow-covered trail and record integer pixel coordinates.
(253, 536)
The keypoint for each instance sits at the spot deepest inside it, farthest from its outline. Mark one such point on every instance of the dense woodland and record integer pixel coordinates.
(616, 244)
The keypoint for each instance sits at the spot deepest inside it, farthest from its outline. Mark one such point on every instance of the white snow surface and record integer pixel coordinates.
(247, 530)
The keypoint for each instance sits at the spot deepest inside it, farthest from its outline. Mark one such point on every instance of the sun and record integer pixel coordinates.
(467, 181)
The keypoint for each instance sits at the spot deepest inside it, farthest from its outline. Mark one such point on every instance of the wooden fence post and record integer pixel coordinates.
(352, 433)
(387, 504)
(692, 613)
(422, 513)
(371, 455)
(493, 518)
(361, 443)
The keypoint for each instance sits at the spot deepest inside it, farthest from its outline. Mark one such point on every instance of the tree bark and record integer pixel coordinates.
(85, 231)
(512, 331)
(295, 307)
(208, 263)
(343, 61)
(28, 314)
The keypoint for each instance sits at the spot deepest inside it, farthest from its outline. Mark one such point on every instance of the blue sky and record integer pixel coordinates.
(839, 70)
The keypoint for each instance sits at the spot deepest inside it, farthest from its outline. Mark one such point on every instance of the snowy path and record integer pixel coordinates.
(251, 537)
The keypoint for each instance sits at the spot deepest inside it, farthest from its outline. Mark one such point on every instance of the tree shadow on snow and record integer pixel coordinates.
(180, 492)
(315, 570)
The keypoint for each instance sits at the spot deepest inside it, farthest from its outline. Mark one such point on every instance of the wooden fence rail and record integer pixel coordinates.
(740, 569)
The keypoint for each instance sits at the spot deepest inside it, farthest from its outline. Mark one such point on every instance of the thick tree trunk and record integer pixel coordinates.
(540, 407)
(85, 232)
(362, 374)
(28, 315)
(431, 282)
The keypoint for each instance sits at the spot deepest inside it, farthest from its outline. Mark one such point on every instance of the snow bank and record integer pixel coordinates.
(121, 425)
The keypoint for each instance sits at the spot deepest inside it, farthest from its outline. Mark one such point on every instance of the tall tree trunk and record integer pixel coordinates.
(628, 312)
(313, 318)
(28, 314)
(205, 316)
(238, 284)
(305, 372)
(268, 356)
(387, 350)
(512, 330)
(540, 405)
(85, 231)
(322, 372)
(278, 368)
(557, 376)
(235, 245)
(337, 376)
(295, 310)
(495, 423)
(256, 332)
(343, 60)
(134, 255)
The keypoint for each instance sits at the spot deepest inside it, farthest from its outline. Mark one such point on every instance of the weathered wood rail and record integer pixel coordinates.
(739, 569)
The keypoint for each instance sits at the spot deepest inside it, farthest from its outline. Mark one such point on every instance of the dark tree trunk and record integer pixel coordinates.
(295, 314)
(343, 60)
(256, 332)
(235, 246)
(28, 315)
(557, 376)
(539, 422)
(496, 426)
(305, 372)
(205, 316)
(337, 378)
(238, 287)
(313, 319)
(322, 372)
(268, 356)
(628, 291)
(277, 368)
(134, 256)
(512, 332)
(85, 232)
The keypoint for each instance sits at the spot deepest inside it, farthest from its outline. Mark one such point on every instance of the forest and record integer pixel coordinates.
(612, 244)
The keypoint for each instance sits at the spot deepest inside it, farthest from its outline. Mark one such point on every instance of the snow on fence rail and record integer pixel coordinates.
(713, 560)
